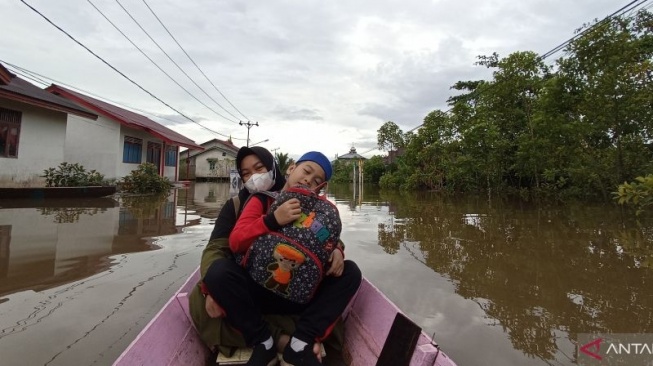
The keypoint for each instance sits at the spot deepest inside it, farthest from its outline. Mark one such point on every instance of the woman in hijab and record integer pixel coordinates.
(259, 172)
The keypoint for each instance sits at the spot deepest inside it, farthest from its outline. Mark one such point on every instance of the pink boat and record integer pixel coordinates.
(376, 333)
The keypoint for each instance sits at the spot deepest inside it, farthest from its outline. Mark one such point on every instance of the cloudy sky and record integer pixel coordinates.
(315, 75)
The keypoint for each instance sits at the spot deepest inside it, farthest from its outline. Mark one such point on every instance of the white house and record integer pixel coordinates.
(215, 162)
(119, 140)
(32, 130)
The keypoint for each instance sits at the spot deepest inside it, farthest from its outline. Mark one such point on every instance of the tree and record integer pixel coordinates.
(284, 161)
(608, 74)
(373, 169)
(638, 193)
(390, 136)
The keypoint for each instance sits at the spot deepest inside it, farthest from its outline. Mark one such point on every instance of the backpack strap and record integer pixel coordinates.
(236, 200)
(263, 197)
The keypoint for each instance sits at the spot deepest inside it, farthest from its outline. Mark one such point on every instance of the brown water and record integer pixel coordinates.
(497, 284)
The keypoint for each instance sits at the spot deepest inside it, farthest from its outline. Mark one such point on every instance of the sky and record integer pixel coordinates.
(315, 75)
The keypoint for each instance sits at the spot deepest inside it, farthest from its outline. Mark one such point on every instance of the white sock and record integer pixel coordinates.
(297, 345)
(268, 343)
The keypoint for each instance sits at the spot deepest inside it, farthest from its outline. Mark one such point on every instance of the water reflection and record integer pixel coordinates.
(205, 198)
(354, 195)
(60, 241)
(543, 275)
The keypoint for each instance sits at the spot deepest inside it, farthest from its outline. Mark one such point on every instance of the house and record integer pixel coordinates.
(119, 140)
(32, 130)
(215, 162)
(355, 160)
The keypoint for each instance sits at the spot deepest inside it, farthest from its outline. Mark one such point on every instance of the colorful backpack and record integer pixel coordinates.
(293, 261)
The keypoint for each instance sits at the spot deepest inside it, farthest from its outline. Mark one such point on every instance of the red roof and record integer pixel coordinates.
(125, 117)
(15, 88)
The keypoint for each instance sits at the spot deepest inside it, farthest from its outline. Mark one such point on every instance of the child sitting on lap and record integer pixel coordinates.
(244, 300)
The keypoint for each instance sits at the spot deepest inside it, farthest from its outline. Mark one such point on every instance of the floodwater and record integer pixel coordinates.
(500, 284)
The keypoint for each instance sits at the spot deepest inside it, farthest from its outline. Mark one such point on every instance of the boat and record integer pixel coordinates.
(376, 333)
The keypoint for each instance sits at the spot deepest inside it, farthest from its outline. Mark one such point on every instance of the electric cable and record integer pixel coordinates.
(173, 61)
(193, 61)
(155, 64)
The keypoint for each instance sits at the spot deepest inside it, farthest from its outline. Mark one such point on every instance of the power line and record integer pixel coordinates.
(154, 63)
(36, 77)
(602, 23)
(193, 61)
(113, 68)
(105, 62)
(593, 27)
(175, 63)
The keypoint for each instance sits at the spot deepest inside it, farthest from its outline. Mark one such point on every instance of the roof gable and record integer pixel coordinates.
(125, 117)
(211, 148)
(15, 88)
(228, 145)
(352, 155)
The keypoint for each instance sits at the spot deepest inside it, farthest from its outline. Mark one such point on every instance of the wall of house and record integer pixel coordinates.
(223, 164)
(93, 144)
(40, 146)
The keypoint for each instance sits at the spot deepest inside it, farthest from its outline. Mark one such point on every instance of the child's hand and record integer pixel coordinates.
(337, 263)
(288, 212)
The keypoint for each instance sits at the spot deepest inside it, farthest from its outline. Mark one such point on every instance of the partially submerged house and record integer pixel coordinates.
(355, 161)
(119, 140)
(33, 126)
(215, 162)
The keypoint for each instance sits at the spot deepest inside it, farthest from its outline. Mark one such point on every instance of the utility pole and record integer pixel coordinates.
(274, 151)
(249, 125)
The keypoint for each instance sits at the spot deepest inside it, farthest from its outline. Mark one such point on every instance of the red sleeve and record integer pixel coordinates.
(250, 225)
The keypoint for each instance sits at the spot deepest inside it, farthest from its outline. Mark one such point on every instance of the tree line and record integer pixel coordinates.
(575, 129)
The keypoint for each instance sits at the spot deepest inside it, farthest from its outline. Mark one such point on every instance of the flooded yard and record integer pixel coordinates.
(508, 284)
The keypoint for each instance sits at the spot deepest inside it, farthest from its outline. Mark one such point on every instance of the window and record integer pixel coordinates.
(9, 132)
(212, 163)
(224, 153)
(132, 150)
(171, 155)
(154, 153)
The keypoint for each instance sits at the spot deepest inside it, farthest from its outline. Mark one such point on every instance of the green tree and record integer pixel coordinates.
(284, 161)
(608, 73)
(373, 169)
(638, 193)
(390, 136)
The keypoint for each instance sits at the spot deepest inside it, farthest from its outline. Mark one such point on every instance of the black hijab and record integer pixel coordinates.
(267, 159)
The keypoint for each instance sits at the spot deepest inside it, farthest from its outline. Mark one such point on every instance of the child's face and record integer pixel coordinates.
(307, 173)
(251, 164)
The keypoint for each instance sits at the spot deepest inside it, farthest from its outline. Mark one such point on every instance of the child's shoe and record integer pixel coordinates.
(263, 357)
(305, 357)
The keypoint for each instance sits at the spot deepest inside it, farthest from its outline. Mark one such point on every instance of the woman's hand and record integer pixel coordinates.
(337, 263)
(288, 212)
(212, 307)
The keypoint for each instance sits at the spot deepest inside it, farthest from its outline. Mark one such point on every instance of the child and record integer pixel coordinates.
(244, 300)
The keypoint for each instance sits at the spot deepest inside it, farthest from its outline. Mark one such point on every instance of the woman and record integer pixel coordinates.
(259, 172)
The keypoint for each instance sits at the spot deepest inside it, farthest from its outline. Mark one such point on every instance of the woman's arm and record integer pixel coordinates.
(225, 222)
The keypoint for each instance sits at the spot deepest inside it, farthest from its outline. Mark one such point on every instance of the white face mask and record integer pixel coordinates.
(260, 182)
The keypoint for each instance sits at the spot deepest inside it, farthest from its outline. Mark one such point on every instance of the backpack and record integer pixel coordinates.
(292, 261)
